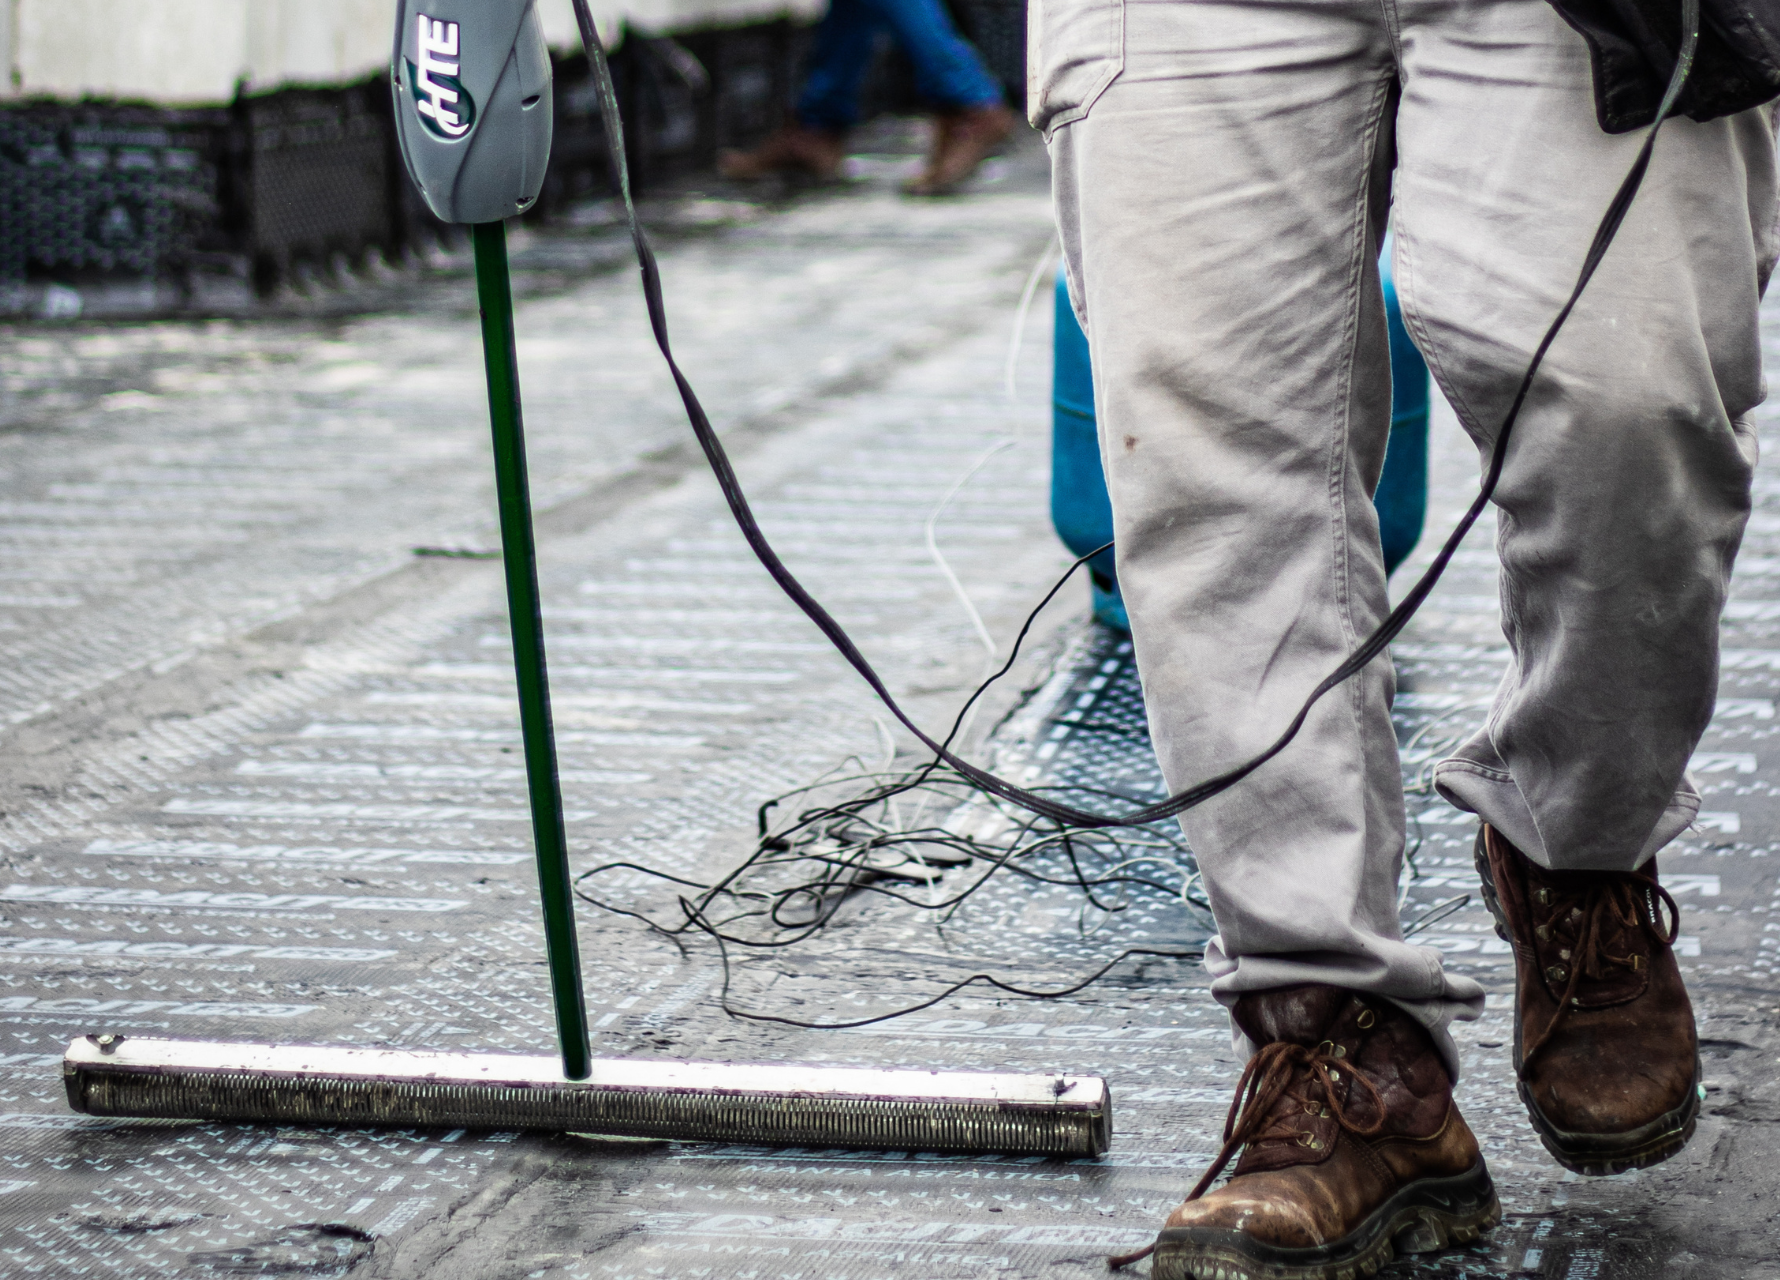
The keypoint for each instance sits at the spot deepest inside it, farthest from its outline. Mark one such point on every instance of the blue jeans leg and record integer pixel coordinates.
(948, 71)
(838, 62)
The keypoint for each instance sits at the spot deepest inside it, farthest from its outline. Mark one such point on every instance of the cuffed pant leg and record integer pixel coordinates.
(1220, 201)
(1627, 481)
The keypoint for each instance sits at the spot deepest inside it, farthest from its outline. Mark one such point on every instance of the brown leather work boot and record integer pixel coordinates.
(1604, 1039)
(794, 150)
(1352, 1150)
(961, 142)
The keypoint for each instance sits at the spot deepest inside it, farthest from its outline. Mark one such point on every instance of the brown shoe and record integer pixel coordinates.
(1604, 1038)
(1352, 1150)
(961, 141)
(794, 150)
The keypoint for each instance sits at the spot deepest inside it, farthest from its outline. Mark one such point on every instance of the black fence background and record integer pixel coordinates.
(96, 189)
(273, 181)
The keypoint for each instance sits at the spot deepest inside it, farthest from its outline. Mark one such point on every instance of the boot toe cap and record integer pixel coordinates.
(1618, 1106)
(1581, 1089)
(1285, 1217)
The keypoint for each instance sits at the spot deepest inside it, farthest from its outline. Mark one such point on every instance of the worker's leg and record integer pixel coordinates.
(1627, 482)
(1621, 505)
(1220, 172)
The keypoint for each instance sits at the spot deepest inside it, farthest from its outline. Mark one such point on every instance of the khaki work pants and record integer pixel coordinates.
(1223, 171)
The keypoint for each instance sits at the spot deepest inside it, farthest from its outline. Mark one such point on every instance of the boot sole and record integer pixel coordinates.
(1426, 1216)
(1595, 1155)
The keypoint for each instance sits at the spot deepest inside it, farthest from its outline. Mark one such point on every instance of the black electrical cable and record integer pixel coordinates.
(1436, 913)
(835, 846)
(1368, 650)
(771, 843)
(984, 978)
(697, 920)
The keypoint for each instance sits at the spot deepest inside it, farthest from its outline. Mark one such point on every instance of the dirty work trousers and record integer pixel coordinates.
(1223, 170)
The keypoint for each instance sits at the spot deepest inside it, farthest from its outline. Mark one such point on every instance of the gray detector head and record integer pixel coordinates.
(472, 86)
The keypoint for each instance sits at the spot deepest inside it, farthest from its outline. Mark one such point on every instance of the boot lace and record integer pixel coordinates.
(1280, 1071)
(1633, 902)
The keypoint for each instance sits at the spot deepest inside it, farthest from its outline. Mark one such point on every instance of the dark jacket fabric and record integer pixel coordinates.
(1633, 44)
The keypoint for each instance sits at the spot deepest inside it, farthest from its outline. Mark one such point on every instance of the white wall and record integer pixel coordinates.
(196, 51)
(177, 50)
(313, 41)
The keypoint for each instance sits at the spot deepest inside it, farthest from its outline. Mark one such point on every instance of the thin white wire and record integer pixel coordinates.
(990, 650)
(889, 741)
(1013, 355)
(976, 619)
(1019, 335)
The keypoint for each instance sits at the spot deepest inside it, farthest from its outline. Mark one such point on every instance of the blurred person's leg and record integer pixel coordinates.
(949, 73)
(840, 56)
(971, 118)
(813, 141)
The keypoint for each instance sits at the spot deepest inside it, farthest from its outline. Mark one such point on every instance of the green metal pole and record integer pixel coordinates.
(495, 294)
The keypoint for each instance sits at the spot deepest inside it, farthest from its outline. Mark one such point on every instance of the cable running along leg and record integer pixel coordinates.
(495, 294)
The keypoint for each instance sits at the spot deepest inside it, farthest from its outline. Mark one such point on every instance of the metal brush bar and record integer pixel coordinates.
(782, 1105)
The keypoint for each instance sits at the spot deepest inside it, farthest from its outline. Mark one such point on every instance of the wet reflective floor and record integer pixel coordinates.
(261, 775)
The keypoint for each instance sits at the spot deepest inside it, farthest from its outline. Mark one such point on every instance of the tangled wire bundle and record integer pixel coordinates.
(926, 838)
(930, 839)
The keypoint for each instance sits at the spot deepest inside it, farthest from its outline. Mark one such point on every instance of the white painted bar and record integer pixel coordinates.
(138, 1053)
